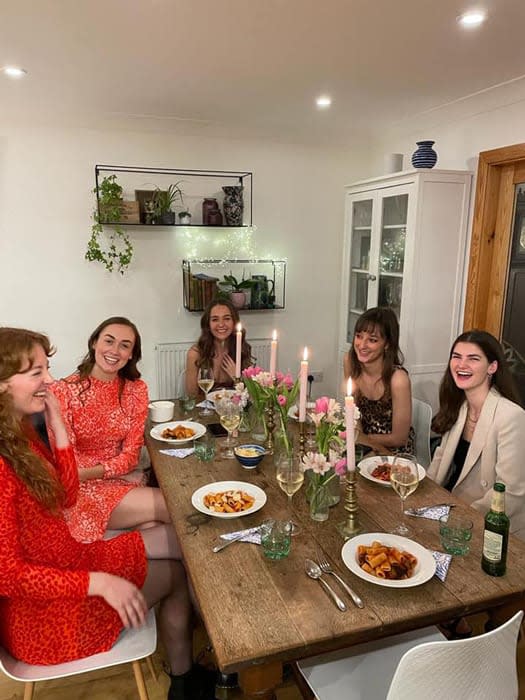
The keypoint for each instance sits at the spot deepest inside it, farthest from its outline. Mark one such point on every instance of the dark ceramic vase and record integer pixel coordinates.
(233, 204)
(210, 204)
(425, 156)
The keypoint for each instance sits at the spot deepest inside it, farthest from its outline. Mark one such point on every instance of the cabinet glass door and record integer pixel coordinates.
(392, 251)
(361, 236)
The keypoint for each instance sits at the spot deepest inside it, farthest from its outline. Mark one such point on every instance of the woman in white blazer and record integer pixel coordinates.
(483, 428)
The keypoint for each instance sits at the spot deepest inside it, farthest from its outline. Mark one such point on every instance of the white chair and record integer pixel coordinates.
(479, 667)
(132, 646)
(421, 419)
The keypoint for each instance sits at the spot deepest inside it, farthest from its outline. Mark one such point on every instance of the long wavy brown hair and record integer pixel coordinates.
(451, 397)
(206, 342)
(17, 347)
(380, 320)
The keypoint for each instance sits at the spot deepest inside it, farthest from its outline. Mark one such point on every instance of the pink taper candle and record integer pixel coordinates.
(303, 379)
(238, 351)
(273, 354)
(349, 424)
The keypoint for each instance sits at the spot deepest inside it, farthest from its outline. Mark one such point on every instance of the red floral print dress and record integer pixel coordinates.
(104, 428)
(46, 616)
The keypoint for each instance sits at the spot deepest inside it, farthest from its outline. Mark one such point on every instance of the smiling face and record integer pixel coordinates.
(369, 345)
(470, 368)
(113, 349)
(28, 387)
(221, 322)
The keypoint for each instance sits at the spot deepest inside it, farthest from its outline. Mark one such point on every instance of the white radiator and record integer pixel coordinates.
(170, 363)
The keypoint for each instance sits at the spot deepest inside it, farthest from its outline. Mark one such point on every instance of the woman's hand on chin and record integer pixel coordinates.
(54, 419)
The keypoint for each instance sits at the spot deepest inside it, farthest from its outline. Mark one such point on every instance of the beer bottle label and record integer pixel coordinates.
(492, 545)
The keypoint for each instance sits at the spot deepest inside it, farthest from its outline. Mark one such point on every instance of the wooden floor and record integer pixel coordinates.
(118, 683)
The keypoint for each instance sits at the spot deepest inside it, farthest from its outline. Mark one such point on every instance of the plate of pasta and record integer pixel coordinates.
(376, 556)
(177, 432)
(228, 499)
(377, 469)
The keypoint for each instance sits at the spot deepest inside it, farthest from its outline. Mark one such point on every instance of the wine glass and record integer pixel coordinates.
(230, 417)
(290, 477)
(404, 478)
(205, 381)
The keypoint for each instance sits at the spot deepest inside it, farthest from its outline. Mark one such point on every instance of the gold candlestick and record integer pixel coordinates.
(351, 526)
(302, 439)
(270, 427)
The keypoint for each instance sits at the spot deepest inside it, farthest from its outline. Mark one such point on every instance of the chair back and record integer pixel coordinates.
(181, 384)
(478, 667)
(421, 419)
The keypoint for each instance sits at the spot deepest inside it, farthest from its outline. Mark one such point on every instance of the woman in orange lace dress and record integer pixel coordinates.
(61, 599)
(105, 405)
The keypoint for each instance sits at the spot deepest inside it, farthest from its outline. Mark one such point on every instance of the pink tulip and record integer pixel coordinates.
(281, 400)
(321, 405)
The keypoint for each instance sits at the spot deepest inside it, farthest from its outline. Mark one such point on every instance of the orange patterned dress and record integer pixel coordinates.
(46, 616)
(105, 425)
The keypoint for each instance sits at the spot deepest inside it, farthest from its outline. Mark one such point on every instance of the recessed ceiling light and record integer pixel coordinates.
(472, 18)
(14, 71)
(324, 101)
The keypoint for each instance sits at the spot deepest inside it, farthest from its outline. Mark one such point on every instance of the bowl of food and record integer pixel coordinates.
(249, 455)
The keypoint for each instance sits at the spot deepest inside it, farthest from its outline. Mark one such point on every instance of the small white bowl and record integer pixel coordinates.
(161, 411)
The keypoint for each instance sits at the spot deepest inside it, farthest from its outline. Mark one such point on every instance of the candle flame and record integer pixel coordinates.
(349, 387)
(274, 335)
(239, 328)
(305, 354)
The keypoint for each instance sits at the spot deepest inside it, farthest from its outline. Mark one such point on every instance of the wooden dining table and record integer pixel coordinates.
(261, 613)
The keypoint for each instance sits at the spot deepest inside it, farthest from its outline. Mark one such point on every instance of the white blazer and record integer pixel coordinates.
(496, 453)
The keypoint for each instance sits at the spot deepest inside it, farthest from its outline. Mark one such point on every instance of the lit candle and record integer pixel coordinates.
(349, 423)
(238, 351)
(273, 354)
(303, 380)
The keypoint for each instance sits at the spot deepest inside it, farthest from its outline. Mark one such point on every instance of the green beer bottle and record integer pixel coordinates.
(496, 534)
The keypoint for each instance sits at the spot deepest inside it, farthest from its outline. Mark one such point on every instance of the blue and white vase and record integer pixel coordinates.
(425, 156)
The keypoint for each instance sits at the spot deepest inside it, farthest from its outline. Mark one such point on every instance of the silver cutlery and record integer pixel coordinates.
(423, 509)
(314, 571)
(326, 568)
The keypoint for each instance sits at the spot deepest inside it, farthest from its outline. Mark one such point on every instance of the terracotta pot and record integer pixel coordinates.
(238, 299)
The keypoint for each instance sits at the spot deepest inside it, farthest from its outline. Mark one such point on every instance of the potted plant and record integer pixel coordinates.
(163, 201)
(109, 206)
(184, 217)
(236, 289)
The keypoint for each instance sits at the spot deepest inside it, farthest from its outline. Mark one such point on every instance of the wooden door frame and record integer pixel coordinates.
(498, 171)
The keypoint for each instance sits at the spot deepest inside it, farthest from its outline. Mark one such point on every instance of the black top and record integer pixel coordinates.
(457, 464)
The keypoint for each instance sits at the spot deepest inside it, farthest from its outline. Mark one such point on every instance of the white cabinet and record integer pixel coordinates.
(405, 246)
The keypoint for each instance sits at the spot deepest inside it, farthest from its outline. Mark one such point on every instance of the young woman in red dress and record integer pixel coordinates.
(105, 405)
(61, 599)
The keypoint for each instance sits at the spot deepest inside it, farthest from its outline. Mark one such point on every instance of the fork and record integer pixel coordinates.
(326, 568)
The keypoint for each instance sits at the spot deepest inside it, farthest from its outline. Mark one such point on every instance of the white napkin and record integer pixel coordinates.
(442, 563)
(206, 404)
(181, 452)
(252, 534)
(431, 513)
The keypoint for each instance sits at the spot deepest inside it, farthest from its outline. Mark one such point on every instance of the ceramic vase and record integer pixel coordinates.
(238, 299)
(233, 205)
(424, 156)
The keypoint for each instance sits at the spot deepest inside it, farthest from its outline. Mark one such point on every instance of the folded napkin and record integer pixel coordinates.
(442, 563)
(430, 513)
(252, 534)
(206, 404)
(181, 452)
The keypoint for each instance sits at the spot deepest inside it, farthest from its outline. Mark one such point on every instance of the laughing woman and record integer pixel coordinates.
(483, 428)
(104, 405)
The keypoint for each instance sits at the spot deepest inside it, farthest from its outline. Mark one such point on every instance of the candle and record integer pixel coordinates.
(349, 424)
(238, 347)
(303, 379)
(273, 354)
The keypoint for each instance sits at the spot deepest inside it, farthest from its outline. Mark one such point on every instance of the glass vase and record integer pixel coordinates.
(245, 425)
(332, 486)
(319, 501)
(259, 430)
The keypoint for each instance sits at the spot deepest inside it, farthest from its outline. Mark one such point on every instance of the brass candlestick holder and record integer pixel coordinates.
(351, 526)
(302, 439)
(270, 427)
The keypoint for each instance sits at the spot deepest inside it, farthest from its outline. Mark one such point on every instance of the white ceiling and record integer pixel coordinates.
(253, 66)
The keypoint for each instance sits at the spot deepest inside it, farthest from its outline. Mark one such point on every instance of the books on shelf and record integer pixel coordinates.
(200, 290)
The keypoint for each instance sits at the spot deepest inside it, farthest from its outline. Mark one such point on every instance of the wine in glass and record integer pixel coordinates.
(290, 478)
(205, 381)
(404, 478)
(230, 417)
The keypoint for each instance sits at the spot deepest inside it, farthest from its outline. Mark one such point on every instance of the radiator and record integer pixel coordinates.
(170, 363)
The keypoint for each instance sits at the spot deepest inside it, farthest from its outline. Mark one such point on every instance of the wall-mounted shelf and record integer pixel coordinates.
(200, 278)
(139, 183)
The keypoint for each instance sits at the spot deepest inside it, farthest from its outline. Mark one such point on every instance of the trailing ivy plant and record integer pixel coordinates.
(119, 252)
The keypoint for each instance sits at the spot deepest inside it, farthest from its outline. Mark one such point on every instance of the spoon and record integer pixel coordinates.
(313, 571)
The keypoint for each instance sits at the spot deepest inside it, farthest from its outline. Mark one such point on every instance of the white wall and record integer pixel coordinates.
(46, 178)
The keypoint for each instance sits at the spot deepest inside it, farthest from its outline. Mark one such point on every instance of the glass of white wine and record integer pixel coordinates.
(230, 417)
(205, 381)
(290, 478)
(404, 478)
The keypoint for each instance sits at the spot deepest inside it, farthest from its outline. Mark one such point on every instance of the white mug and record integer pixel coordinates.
(161, 411)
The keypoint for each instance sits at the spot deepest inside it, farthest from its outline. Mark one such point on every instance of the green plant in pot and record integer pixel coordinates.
(118, 253)
(163, 201)
(236, 289)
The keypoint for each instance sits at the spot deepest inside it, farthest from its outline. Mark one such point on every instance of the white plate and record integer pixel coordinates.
(220, 394)
(367, 466)
(293, 411)
(198, 428)
(425, 567)
(197, 498)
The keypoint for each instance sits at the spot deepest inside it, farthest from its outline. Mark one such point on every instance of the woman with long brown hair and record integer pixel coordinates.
(105, 405)
(61, 599)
